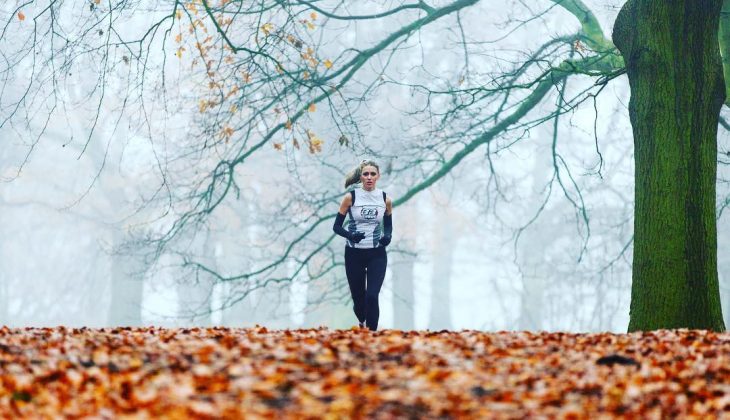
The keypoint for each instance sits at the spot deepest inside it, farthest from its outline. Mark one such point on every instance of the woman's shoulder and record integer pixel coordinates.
(381, 193)
(348, 197)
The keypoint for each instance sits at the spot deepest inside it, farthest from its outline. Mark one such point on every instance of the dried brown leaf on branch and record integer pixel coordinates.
(311, 373)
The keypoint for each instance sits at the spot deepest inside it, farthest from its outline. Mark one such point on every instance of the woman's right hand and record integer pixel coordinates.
(356, 237)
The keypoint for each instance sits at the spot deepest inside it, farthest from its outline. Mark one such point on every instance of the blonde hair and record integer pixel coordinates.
(353, 177)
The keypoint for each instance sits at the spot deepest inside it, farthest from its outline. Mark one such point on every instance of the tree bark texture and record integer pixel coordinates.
(677, 88)
(724, 35)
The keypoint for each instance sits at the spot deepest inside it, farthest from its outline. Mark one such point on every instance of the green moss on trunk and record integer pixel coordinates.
(674, 67)
(724, 36)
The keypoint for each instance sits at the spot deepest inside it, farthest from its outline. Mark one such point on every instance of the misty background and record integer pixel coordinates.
(497, 244)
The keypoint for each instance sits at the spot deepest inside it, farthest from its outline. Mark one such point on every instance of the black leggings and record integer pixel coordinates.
(359, 264)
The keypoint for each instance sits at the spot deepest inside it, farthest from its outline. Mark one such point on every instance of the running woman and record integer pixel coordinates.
(365, 258)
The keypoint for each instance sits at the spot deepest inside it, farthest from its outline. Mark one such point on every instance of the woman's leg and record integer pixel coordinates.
(376, 274)
(355, 270)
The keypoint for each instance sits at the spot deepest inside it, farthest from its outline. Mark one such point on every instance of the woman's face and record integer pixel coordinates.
(369, 176)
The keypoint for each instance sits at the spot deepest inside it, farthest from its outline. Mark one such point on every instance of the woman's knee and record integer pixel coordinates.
(371, 297)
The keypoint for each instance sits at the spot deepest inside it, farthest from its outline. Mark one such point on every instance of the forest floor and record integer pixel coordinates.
(322, 373)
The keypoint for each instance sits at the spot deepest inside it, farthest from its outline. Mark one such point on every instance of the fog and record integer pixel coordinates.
(96, 169)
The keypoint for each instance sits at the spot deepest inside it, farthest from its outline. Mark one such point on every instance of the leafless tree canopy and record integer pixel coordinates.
(221, 90)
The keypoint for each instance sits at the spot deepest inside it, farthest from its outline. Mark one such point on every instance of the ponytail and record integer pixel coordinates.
(353, 177)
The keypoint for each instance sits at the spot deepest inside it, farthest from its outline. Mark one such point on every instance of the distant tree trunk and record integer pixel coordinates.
(532, 244)
(241, 313)
(406, 236)
(271, 302)
(127, 284)
(323, 307)
(4, 301)
(4, 275)
(195, 296)
(232, 257)
(443, 257)
(4, 315)
(127, 267)
(403, 296)
(673, 63)
(531, 298)
(327, 301)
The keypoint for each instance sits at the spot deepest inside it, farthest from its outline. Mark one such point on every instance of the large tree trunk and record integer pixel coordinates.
(673, 63)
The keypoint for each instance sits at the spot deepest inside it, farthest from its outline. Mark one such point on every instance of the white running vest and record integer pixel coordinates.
(366, 215)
